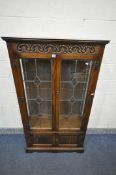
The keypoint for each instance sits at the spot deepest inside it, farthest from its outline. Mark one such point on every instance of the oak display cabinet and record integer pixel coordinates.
(55, 82)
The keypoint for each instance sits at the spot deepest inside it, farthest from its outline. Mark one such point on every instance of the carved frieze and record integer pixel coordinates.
(55, 48)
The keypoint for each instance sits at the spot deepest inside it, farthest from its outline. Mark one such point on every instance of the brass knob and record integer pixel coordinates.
(57, 92)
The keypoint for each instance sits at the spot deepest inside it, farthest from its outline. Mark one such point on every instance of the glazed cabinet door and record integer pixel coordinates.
(38, 80)
(74, 86)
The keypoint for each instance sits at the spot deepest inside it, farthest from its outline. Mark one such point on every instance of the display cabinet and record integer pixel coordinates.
(55, 82)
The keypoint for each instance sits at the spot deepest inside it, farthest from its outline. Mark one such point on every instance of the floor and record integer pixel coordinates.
(99, 158)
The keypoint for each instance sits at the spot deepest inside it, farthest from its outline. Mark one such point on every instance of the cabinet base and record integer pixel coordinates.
(54, 149)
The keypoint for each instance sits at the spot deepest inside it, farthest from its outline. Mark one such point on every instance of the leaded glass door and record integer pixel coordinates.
(74, 78)
(37, 79)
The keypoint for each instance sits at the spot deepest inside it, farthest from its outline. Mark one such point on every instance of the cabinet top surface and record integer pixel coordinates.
(14, 39)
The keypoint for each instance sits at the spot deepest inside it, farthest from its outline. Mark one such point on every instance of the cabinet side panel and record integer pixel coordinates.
(91, 90)
(16, 71)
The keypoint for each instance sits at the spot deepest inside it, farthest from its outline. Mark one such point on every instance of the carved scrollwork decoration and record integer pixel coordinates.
(55, 48)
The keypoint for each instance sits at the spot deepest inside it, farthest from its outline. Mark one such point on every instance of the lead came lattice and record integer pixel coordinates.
(77, 80)
(38, 95)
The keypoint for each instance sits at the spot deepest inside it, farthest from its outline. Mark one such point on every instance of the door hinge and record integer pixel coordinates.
(96, 65)
(15, 63)
(21, 99)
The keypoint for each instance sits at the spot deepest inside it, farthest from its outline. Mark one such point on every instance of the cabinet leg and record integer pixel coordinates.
(80, 151)
(28, 151)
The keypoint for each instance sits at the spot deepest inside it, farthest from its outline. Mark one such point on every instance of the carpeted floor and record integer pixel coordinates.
(99, 158)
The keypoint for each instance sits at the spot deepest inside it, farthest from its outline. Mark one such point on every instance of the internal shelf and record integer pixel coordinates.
(37, 122)
(42, 122)
(69, 122)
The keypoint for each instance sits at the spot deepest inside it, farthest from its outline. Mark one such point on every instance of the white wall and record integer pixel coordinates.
(72, 19)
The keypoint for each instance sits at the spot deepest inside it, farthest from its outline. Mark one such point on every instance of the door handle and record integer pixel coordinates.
(57, 92)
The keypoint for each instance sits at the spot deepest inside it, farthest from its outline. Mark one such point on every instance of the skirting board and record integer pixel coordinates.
(89, 131)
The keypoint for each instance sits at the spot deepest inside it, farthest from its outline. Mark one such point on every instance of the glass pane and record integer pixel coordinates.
(38, 87)
(73, 88)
